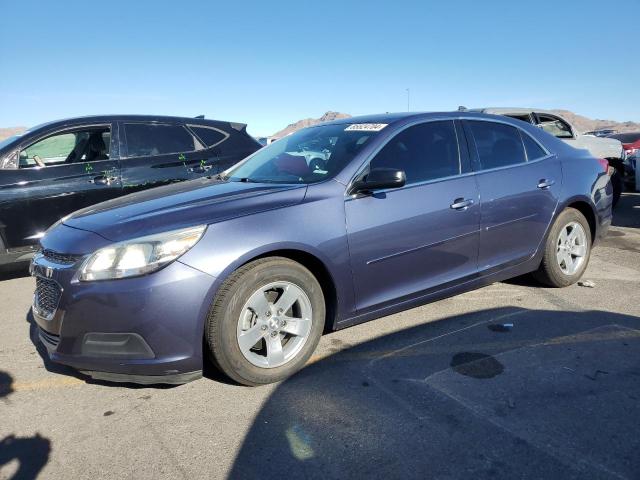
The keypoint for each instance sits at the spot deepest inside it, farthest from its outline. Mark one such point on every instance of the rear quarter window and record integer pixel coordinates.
(534, 151)
(210, 136)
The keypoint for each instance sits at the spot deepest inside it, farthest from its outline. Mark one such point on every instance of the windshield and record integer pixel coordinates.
(306, 156)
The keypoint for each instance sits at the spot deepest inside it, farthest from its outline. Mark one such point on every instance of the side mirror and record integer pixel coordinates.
(379, 178)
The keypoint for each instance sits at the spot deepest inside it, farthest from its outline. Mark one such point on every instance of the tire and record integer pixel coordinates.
(551, 271)
(617, 184)
(246, 307)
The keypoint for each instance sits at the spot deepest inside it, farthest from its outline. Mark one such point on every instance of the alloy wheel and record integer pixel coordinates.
(274, 324)
(571, 248)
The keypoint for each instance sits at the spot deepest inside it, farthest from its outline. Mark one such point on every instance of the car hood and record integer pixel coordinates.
(181, 205)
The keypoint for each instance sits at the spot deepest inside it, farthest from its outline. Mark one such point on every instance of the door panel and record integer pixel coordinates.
(405, 241)
(518, 197)
(515, 212)
(44, 195)
(147, 165)
(59, 172)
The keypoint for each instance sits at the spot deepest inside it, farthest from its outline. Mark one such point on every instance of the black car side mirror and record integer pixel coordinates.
(379, 178)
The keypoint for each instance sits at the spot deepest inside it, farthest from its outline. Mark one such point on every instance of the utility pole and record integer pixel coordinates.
(408, 100)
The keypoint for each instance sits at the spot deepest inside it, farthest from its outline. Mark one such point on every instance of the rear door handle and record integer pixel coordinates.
(461, 203)
(544, 183)
(102, 180)
(201, 169)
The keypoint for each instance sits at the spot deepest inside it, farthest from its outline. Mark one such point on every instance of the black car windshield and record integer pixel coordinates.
(306, 156)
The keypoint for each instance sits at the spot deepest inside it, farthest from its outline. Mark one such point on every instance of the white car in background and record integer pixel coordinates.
(607, 148)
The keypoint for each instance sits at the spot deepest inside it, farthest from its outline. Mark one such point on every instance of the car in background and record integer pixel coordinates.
(250, 267)
(603, 132)
(606, 148)
(53, 169)
(631, 144)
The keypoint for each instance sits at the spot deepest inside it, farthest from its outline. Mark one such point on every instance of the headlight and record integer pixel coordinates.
(139, 256)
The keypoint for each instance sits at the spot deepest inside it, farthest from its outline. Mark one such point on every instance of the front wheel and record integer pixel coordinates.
(567, 250)
(266, 321)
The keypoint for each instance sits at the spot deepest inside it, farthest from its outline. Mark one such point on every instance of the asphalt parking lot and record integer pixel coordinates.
(510, 381)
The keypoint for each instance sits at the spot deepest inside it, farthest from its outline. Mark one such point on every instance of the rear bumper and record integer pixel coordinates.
(140, 330)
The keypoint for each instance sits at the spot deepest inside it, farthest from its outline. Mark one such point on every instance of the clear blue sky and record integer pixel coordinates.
(269, 63)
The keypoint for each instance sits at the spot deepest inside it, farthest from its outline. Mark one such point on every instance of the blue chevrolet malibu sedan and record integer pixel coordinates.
(331, 226)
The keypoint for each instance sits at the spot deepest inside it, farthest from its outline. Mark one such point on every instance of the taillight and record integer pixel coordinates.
(604, 164)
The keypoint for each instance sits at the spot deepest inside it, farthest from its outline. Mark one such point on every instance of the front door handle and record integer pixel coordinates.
(461, 203)
(544, 183)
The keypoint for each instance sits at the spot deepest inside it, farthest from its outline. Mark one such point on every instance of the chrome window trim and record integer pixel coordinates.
(124, 130)
(192, 125)
(354, 196)
(515, 165)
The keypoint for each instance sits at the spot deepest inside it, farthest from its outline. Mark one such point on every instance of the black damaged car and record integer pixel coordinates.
(59, 167)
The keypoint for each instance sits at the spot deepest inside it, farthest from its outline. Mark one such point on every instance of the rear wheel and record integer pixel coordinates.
(266, 321)
(567, 250)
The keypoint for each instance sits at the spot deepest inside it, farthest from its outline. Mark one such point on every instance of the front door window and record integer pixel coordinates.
(87, 145)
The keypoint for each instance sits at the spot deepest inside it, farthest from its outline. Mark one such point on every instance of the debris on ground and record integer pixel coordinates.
(587, 283)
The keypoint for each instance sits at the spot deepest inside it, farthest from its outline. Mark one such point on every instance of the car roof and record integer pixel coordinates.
(510, 110)
(391, 118)
(133, 118)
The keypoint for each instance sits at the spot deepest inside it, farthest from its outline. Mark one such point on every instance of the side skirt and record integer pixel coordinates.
(432, 296)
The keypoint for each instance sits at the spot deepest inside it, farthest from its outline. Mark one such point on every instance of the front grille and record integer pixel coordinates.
(60, 258)
(47, 296)
(48, 339)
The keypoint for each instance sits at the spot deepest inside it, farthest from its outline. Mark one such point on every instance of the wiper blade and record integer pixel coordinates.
(221, 177)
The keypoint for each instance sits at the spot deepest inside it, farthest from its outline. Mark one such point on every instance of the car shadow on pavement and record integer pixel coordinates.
(30, 454)
(499, 393)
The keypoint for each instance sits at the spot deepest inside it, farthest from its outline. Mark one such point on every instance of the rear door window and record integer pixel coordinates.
(149, 139)
(208, 135)
(498, 144)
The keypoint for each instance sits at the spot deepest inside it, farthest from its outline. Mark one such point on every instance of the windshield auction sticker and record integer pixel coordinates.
(365, 127)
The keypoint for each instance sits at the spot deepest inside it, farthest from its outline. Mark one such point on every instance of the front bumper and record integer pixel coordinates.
(145, 329)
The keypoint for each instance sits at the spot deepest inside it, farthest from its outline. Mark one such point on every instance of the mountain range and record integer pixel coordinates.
(582, 123)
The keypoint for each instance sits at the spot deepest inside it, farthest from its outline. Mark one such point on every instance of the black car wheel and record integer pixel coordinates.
(265, 321)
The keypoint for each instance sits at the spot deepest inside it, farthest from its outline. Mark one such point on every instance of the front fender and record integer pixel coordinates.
(315, 228)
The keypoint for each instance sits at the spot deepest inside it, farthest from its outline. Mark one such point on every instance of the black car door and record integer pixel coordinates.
(159, 153)
(59, 173)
